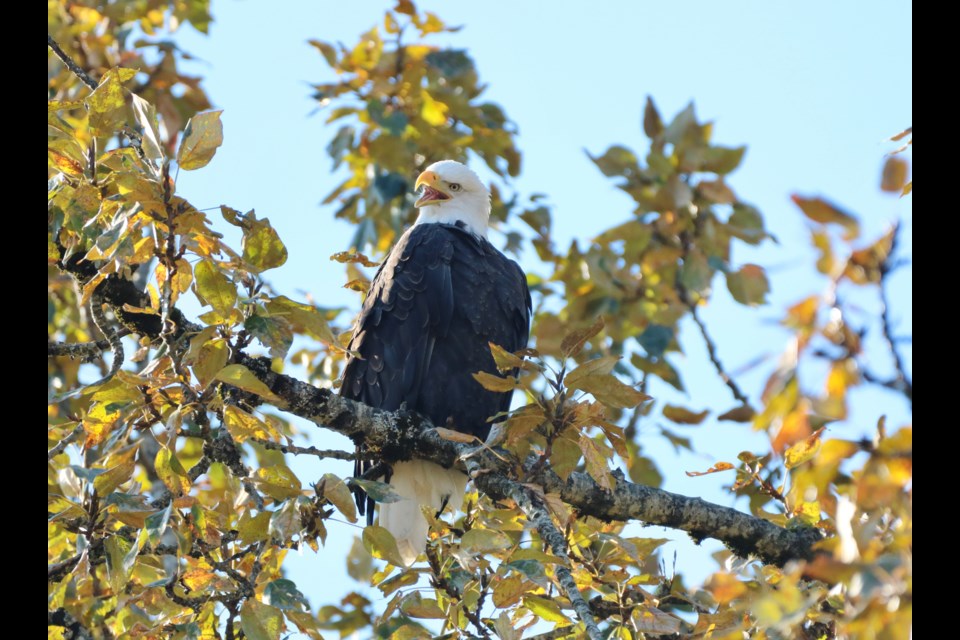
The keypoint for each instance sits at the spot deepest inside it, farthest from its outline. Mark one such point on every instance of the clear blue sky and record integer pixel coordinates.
(812, 88)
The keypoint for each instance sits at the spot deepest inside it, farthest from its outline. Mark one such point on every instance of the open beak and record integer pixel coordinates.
(432, 192)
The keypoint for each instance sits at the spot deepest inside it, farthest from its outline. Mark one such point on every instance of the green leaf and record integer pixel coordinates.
(681, 415)
(328, 50)
(616, 161)
(381, 544)
(274, 332)
(260, 621)
(119, 565)
(746, 223)
(478, 541)
(824, 212)
(156, 523)
(171, 472)
(262, 248)
(749, 285)
(202, 137)
(379, 491)
(283, 594)
(214, 288)
(117, 474)
(303, 318)
(242, 378)
(416, 606)
(545, 609)
(338, 493)
(655, 339)
(722, 160)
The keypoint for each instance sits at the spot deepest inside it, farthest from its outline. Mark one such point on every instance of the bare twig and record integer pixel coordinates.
(715, 359)
(85, 350)
(68, 61)
(903, 381)
(60, 446)
(310, 451)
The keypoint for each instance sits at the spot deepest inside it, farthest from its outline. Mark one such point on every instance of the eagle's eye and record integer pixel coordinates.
(454, 186)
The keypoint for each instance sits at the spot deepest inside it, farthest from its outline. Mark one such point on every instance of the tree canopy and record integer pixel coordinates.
(171, 504)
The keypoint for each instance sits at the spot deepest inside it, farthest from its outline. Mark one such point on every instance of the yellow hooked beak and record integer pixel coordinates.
(433, 192)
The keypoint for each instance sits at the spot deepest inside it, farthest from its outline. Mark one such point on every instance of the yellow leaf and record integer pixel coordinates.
(507, 592)
(433, 111)
(204, 133)
(303, 317)
(260, 621)
(522, 422)
(253, 528)
(381, 544)
(610, 391)
(720, 466)
(338, 493)
(491, 382)
(243, 425)
(725, 587)
(64, 163)
(545, 609)
(106, 104)
(477, 541)
(214, 288)
(277, 481)
(456, 436)
(596, 459)
(894, 175)
(242, 378)
(597, 366)
(262, 247)
(120, 471)
(804, 450)
(505, 360)
(171, 472)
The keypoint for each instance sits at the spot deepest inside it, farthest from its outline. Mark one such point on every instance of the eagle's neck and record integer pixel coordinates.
(472, 213)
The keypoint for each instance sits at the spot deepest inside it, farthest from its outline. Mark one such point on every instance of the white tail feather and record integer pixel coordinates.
(419, 483)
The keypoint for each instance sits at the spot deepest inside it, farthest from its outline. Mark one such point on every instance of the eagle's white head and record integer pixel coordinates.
(452, 193)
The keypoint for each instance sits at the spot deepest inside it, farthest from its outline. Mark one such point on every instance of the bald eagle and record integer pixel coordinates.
(442, 294)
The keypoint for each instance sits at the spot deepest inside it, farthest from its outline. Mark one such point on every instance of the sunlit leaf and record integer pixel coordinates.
(824, 212)
(381, 544)
(803, 451)
(338, 493)
(242, 378)
(749, 285)
(260, 621)
(573, 343)
(214, 287)
(477, 541)
(202, 137)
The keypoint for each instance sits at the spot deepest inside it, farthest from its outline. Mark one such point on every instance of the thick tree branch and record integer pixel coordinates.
(58, 448)
(401, 435)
